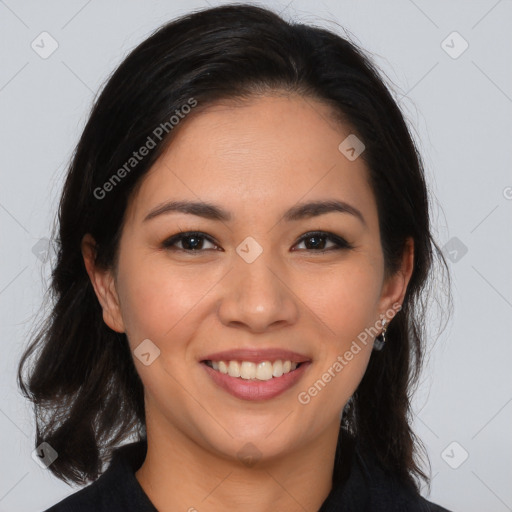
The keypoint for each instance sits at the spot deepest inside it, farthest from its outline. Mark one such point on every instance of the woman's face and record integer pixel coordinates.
(251, 281)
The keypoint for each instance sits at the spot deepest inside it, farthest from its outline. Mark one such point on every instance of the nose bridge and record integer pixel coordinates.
(257, 295)
(256, 269)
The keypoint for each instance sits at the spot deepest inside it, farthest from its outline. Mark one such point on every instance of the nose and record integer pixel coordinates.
(256, 296)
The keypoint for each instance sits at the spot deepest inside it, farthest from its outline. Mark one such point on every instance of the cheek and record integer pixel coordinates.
(156, 298)
(345, 301)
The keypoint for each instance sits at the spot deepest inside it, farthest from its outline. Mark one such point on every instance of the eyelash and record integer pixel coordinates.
(341, 243)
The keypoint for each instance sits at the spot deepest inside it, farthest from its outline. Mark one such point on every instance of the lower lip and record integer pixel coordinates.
(256, 389)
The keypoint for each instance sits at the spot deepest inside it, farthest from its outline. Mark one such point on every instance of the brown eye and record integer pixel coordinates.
(194, 242)
(191, 242)
(317, 241)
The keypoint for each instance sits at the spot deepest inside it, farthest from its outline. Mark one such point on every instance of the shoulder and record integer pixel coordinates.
(116, 490)
(388, 492)
(408, 500)
(361, 484)
(92, 497)
(83, 500)
(420, 504)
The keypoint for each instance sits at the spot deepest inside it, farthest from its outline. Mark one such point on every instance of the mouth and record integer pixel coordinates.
(253, 380)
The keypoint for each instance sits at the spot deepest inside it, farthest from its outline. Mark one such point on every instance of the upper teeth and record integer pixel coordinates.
(249, 370)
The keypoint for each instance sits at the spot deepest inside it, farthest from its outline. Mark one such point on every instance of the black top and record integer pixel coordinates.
(359, 485)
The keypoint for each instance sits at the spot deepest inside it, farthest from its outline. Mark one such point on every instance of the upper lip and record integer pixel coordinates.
(257, 355)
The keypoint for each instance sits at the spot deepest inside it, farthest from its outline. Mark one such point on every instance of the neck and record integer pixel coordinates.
(179, 474)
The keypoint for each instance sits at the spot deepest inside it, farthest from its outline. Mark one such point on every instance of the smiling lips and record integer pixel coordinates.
(255, 374)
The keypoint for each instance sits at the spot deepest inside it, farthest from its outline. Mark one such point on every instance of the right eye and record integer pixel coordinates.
(192, 241)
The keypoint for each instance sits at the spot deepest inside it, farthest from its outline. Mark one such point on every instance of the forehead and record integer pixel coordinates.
(257, 154)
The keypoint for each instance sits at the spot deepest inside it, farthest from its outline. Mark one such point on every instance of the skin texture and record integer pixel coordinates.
(256, 160)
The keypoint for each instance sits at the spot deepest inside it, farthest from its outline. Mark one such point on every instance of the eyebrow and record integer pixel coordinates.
(214, 212)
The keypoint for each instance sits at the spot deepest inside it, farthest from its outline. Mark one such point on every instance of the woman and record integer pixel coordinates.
(244, 244)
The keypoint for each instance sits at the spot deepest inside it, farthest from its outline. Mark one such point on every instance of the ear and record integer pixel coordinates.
(395, 286)
(104, 286)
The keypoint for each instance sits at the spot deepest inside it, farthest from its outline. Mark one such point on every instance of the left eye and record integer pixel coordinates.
(314, 241)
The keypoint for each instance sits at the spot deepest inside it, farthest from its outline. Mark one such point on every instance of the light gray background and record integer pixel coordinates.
(460, 109)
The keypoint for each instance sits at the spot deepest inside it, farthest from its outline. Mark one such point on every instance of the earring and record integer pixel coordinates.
(380, 340)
